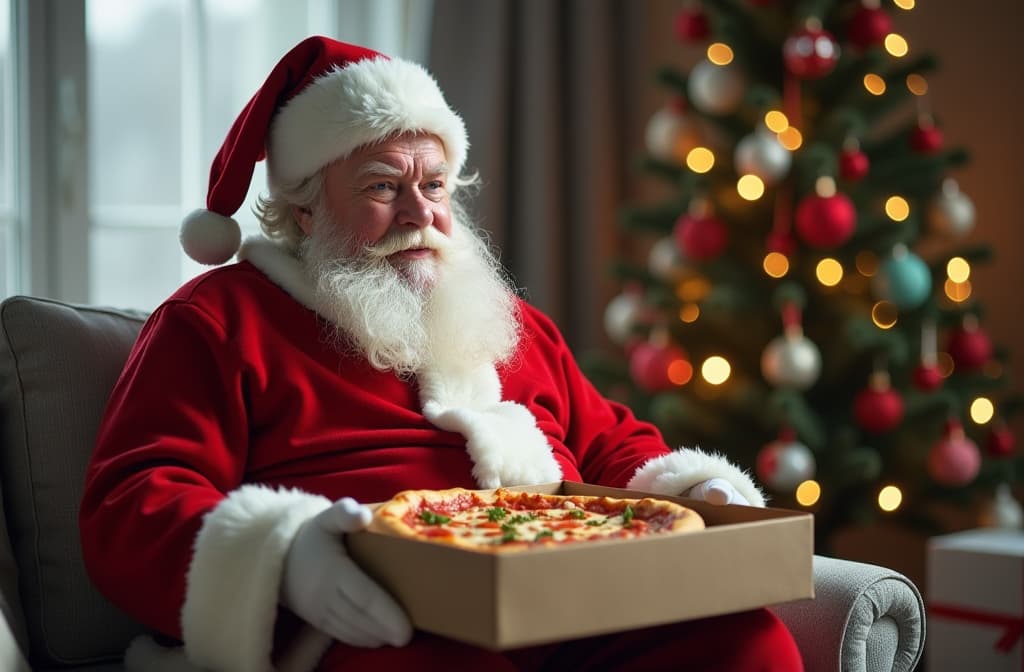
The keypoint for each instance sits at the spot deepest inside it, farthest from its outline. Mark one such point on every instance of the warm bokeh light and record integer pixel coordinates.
(776, 264)
(904, 4)
(825, 186)
(680, 372)
(896, 45)
(693, 289)
(874, 84)
(889, 498)
(944, 361)
(957, 291)
(867, 263)
(790, 138)
(829, 272)
(716, 370)
(689, 313)
(700, 159)
(808, 493)
(884, 314)
(897, 208)
(750, 187)
(958, 269)
(720, 53)
(917, 84)
(982, 410)
(776, 121)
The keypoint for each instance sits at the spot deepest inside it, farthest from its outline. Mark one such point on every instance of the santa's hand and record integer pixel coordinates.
(325, 587)
(716, 491)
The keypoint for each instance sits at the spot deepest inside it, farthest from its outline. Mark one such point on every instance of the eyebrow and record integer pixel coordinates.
(387, 170)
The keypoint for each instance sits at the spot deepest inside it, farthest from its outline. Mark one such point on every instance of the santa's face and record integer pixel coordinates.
(391, 196)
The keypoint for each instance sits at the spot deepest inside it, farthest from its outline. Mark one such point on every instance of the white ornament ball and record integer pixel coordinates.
(664, 260)
(951, 212)
(670, 135)
(716, 89)
(761, 154)
(791, 361)
(621, 315)
(784, 464)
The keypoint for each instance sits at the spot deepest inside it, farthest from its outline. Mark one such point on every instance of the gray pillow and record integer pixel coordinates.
(58, 363)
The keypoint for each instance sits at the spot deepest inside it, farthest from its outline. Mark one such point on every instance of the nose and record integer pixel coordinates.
(415, 210)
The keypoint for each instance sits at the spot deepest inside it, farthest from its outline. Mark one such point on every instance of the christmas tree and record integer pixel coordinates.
(805, 305)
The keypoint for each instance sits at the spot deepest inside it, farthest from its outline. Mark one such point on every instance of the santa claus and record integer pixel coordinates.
(368, 342)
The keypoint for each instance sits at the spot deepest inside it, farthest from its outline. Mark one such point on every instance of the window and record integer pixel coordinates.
(138, 127)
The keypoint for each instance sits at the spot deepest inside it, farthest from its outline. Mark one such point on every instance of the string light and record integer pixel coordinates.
(867, 263)
(945, 363)
(958, 269)
(897, 208)
(750, 187)
(680, 372)
(720, 53)
(917, 84)
(776, 264)
(715, 370)
(700, 159)
(689, 313)
(884, 314)
(982, 410)
(808, 493)
(889, 498)
(693, 289)
(776, 121)
(904, 4)
(790, 138)
(896, 45)
(874, 84)
(829, 272)
(957, 292)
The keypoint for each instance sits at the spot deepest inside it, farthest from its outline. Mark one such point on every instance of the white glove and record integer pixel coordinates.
(716, 491)
(326, 588)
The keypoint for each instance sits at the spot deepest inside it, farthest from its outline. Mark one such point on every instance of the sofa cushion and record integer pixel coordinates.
(58, 363)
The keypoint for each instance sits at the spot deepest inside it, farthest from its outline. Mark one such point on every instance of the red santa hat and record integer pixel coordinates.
(321, 102)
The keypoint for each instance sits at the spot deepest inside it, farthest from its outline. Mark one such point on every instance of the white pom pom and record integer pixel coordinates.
(210, 238)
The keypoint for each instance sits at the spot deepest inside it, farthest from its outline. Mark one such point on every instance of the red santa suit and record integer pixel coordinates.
(235, 421)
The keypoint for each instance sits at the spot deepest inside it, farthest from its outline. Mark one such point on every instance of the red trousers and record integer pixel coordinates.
(752, 641)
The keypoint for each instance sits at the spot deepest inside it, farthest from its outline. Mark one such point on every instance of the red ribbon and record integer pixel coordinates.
(1014, 625)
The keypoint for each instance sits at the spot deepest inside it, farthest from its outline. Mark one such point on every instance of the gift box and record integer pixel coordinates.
(975, 589)
(747, 557)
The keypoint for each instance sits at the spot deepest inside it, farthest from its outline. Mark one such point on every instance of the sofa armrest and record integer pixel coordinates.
(863, 618)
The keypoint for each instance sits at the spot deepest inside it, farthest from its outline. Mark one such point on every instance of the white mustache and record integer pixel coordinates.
(399, 241)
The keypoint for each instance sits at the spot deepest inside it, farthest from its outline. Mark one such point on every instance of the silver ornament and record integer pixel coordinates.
(715, 89)
(783, 465)
(670, 135)
(664, 261)
(621, 314)
(791, 361)
(761, 154)
(1004, 510)
(951, 212)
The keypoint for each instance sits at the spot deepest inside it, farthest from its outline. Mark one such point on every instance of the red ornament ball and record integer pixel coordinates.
(954, 461)
(825, 221)
(927, 377)
(650, 364)
(1000, 442)
(926, 139)
(691, 25)
(810, 53)
(701, 237)
(853, 165)
(868, 26)
(969, 347)
(878, 410)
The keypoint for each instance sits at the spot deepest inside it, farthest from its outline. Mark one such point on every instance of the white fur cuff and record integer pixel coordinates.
(233, 582)
(678, 471)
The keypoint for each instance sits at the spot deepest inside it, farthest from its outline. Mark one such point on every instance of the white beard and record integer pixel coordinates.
(454, 311)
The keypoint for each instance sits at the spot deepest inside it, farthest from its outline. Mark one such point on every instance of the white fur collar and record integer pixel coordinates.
(502, 437)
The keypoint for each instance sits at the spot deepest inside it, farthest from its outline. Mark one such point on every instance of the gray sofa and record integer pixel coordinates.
(58, 363)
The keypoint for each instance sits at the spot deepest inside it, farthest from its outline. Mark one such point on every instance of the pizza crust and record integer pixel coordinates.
(508, 521)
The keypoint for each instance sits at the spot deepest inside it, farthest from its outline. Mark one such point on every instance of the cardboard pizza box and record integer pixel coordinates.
(747, 557)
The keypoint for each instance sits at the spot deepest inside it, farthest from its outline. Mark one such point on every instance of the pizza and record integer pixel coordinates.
(508, 520)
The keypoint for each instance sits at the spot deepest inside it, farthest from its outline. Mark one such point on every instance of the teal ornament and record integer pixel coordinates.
(903, 279)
